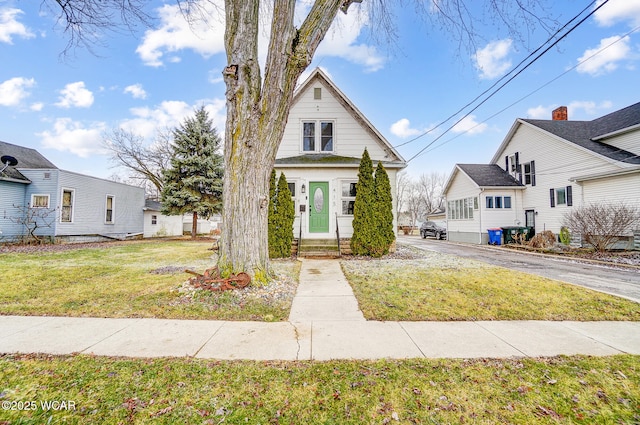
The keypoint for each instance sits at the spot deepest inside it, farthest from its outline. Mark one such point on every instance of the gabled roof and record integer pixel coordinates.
(589, 135)
(27, 159)
(485, 176)
(319, 75)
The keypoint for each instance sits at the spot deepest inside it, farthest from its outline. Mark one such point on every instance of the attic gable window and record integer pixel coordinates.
(317, 93)
(317, 141)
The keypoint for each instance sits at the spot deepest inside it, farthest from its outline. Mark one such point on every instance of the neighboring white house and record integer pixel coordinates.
(157, 224)
(542, 170)
(320, 153)
(71, 207)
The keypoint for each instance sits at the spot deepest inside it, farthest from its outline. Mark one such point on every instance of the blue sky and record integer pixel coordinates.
(156, 76)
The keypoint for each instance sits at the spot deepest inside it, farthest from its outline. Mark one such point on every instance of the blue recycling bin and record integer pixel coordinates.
(495, 236)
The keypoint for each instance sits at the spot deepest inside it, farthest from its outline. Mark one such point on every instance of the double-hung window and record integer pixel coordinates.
(317, 136)
(348, 197)
(66, 211)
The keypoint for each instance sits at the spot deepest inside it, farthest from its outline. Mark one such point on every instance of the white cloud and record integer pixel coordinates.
(207, 38)
(9, 26)
(342, 41)
(540, 112)
(12, 91)
(72, 136)
(402, 128)
(590, 109)
(469, 125)
(175, 34)
(170, 114)
(618, 11)
(608, 54)
(491, 60)
(76, 95)
(37, 107)
(136, 91)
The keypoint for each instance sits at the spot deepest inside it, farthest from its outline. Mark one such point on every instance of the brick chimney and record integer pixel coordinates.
(560, 114)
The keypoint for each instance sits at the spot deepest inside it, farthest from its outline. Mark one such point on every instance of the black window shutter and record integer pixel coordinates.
(552, 197)
(533, 173)
(506, 163)
(517, 160)
(569, 196)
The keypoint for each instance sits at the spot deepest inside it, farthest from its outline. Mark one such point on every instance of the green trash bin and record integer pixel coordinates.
(512, 234)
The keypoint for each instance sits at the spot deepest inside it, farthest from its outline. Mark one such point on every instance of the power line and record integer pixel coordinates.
(516, 74)
(499, 80)
(536, 90)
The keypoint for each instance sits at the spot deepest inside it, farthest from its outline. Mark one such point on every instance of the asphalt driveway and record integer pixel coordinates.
(612, 280)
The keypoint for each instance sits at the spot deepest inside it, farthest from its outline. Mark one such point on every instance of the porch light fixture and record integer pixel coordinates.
(304, 188)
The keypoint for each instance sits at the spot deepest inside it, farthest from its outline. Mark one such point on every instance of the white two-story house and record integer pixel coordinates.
(542, 170)
(320, 153)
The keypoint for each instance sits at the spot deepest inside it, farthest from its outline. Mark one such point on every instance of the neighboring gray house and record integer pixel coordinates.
(71, 207)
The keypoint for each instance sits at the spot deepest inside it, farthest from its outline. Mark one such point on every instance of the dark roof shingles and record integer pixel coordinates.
(489, 175)
(582, 133)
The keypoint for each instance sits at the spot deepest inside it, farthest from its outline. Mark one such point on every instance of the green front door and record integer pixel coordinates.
(318, 207)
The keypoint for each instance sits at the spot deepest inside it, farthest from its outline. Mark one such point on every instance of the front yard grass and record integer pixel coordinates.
(443, 287)
(135, 279)
(102, 390)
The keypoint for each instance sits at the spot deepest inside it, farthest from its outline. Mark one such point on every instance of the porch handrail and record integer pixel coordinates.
(338, 236)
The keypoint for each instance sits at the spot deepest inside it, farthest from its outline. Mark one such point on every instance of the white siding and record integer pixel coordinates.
(335, 177)
(165, 225)
(629, 142)
(462, 187)
(350, 137)
(556, 161)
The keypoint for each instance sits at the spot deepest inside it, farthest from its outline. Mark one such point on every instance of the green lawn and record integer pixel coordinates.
(448, 288)
(136, 279)
(563, 390)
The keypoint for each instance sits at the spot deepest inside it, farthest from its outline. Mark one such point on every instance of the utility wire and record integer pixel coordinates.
(498, 81)
(511, 78)
(538, 89)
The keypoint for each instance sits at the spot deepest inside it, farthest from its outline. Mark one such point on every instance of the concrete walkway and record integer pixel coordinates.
(325, 323)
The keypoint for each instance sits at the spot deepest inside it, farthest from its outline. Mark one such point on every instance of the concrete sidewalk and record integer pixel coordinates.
(325, 323)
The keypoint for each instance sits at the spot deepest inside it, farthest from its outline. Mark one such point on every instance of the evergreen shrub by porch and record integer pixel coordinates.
(281, 216)
(372, 211)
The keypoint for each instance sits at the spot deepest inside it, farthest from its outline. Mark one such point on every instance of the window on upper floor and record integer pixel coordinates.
(529, 169)
(317, 136)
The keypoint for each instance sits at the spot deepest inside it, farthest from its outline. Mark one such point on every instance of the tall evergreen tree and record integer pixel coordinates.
(281, 216)
(364, 232)
(384, 209)
(193, 183)
(286, 215)
(273, 216)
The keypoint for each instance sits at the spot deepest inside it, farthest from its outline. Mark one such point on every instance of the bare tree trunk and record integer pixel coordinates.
(257, 113)
(194, 226)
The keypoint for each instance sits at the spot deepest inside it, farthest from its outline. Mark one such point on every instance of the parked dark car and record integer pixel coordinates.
(429, 228)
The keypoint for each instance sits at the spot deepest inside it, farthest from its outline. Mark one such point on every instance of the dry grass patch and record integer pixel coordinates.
(443, 287)
(562, 390)
(136, 279)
